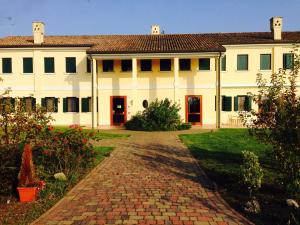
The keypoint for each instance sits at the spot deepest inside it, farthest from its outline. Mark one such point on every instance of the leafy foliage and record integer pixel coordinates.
(251, 171)
(161, 115)
(278, 121)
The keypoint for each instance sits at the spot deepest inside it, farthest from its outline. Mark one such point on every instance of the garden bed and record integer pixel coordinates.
(220, 156)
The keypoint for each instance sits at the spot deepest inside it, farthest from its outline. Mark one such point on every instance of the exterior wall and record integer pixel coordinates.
(149, 86)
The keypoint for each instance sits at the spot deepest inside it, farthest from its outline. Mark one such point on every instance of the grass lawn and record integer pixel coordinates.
(20, 213)
(220, 155)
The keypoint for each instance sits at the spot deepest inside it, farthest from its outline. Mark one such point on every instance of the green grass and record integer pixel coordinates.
(220, 155)
(101, 153)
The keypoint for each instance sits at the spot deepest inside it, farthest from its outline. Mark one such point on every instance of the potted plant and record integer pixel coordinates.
(28, 183)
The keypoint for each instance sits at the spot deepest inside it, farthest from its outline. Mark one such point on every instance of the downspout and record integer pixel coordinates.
(218, 92)
(92, 89)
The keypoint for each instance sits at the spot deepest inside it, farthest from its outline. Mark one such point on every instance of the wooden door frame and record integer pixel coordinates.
(187, 109)
(111, 110)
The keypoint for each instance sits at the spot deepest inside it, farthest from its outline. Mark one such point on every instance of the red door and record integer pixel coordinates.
(193, 109)
(118, 115)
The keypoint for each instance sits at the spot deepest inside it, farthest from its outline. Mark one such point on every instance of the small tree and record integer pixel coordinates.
(252, 172)
(277, 120)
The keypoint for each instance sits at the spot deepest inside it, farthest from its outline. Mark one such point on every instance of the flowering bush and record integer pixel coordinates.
(64, 151)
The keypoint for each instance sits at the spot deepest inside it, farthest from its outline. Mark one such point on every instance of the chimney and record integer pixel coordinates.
(155, 29)
(38, 32)
(276, 27)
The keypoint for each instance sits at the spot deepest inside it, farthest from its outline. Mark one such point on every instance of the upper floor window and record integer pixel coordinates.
(146, 65)
(71, 104)
(223, 63)
(126, 65)
(88, 65)
(6, 65)
(108, 65)
(27, 65)
(49, 65)
(242, 103)
(204, 64)
(184, 64)
(265, 61)
(50, 104)
(70, 64)
(288, 60)
(242, 62)
(165, 65)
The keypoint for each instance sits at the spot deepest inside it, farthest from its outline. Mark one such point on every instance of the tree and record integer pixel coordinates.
(277, 120)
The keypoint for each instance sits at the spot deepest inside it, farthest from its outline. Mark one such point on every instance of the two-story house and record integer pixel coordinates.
(103, 80)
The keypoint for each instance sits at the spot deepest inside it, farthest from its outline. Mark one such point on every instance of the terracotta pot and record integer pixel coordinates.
(27, 194)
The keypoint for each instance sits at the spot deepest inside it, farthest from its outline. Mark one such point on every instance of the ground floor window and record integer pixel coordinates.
(242, 103)
(194, 109)
(50, 104)
(29, 103)
(6, 103)
(71, 104)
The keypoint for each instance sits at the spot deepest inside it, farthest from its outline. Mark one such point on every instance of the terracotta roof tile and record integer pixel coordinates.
(165, 43)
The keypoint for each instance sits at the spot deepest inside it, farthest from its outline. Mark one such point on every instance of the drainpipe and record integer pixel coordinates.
(218, 92)
(92, 89)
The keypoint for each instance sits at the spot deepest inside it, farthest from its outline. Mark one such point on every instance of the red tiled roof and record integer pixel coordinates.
(164, 43)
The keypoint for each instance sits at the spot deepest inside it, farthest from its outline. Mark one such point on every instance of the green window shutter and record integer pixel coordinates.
(228, 103)
(55, 104)
(65, 105)
(223, 102)
(165, 65)
(12, 101)
(248, 103)
(223, 63)
(49, 65)
(204, 64)
(97, 104)
(43, 102)
(236, 103)
(33, 103)
(88, 65)
(242, 62)
(70, 65)
(84, 104)
(288, 61)
(265, 61)
(27, 65)
(107, 65)
(215, 103)
(184, 64)
(6, 65)
(76, 104)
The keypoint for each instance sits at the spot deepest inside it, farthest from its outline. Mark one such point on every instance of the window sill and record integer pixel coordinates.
(265, 71)
(71, 112)
(107, 71)
(27, 73)
(185, 70)
(71, 73)
(242, 71)
(47, 74)
(147, 71)
(204, 70)
(165, 71)
(6, 74)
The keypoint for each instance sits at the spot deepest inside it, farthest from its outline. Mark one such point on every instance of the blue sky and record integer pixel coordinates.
(67, 17)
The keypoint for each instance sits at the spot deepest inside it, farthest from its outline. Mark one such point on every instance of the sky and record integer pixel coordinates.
(73, 17)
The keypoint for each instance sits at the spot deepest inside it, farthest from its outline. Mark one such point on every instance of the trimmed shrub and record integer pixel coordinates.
(184, 126)
(161, 115)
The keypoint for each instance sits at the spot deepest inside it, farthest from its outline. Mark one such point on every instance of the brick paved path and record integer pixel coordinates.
(150, 178)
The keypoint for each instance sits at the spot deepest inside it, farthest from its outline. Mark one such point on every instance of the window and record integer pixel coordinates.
(7, 104)
(265, 61)
(288, 61)
(49, 65)
(86, 104)
(70, 65)
(71, 104)
(165, 65)
(88, 65)
(6, 65)
(223, 63)
(29, 103)
(242, 62)
(184, 64)
(126, 65)
(50, 104)
(242, 103)
(27, 65)
(226, 103)
(146, 65)
(204, 64)
(108, 65)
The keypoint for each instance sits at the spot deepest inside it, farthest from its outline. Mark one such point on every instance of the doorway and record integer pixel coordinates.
(118, 110)
(193, 109)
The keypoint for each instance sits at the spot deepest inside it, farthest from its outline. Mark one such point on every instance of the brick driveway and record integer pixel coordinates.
(150, 178)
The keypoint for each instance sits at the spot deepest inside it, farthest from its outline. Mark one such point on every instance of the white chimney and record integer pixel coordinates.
(276, 27)
(155, 29)
(38, 29)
